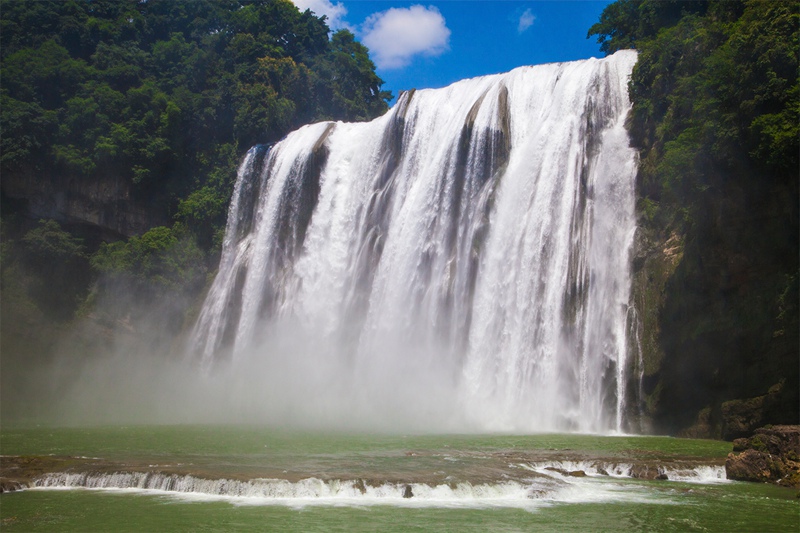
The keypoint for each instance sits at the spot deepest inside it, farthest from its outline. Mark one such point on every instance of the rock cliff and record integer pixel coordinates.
(105, 203)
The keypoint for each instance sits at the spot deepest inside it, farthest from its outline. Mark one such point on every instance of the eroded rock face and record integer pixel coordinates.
(655, 259)
(742, 417)
(771, 455)
(106, 202)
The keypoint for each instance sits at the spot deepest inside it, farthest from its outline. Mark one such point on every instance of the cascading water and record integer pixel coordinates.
(461, 260)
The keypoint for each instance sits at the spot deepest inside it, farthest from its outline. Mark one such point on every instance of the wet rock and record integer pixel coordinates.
(643, 471)
(360, 486)
(771, 455)
(702, 427)
(407, 493)
(10, 485)
(740, 445)
(563, 472)
(777, 440)
(104, 204)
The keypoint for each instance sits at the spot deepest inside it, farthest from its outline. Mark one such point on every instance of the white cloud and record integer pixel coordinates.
(395, 36)
(335, 12)
(525, 21)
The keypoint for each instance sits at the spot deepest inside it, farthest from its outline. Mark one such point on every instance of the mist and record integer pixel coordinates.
(289, 379)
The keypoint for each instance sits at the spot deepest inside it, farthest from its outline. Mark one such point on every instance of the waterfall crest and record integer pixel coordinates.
(461, 262)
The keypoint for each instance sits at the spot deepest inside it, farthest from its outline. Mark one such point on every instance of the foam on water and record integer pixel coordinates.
(699, 474)
(552, 485)
(530, 494)
(705, 474)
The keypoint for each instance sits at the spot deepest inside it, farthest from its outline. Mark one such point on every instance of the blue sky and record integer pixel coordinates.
(435, 43)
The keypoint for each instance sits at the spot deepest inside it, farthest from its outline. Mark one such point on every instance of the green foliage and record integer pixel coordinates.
(204, 210)
(163, 97)
(163, 259)
(48, 243)
(24, 127)
(626, 23)
(49, 267)
(149, 91)
(649, 208)
(346, 79)
(713, 91)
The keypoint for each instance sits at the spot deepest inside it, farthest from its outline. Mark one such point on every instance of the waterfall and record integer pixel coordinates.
(463, 259)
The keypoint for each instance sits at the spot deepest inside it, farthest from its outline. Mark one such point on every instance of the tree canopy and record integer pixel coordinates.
(165, 97)
(168, 94)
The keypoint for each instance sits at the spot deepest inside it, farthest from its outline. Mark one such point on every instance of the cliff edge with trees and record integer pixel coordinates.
(716, 119)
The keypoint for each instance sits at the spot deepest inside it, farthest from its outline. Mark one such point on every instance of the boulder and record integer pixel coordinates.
(644, 471)
(752, 465)
(771, 455)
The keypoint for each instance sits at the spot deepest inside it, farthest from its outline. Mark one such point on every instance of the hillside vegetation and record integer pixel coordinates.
(716, 116)
(168, 94)
(123, 123)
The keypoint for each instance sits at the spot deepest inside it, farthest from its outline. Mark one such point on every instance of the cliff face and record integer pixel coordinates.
(717, 345)
(104, 203)
(655, 260)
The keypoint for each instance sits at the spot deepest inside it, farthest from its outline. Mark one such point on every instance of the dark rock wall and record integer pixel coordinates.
(717, 347)
(106, 204)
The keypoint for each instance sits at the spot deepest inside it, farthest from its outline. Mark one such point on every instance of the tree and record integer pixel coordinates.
(59, 264)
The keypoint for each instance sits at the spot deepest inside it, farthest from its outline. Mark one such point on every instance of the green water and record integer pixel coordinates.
(226, 451)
